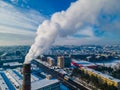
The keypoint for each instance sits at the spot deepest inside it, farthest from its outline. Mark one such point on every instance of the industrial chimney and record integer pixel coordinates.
(26, 77)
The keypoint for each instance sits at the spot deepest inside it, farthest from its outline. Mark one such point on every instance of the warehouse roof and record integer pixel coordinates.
(42, 83)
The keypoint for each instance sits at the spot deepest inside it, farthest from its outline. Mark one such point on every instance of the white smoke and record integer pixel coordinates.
(81, 14)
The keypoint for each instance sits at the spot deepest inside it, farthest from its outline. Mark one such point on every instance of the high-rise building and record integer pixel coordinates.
(64, 61)
(51, 61)
(67, 61)
(60, 61)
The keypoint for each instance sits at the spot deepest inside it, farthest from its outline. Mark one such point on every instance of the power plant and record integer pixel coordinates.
(26, 85)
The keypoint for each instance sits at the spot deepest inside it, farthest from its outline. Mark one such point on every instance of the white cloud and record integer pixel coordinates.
(15, 20)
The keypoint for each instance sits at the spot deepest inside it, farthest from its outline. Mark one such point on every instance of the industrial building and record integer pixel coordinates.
(8, 57)
(13, 79)
(103, 77)
(82, 63)
(8, 60)
(46, 84)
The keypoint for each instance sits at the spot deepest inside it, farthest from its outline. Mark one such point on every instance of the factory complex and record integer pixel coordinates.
(18, 79)
(16, 75)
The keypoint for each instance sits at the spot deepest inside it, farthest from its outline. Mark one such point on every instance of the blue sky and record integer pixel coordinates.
(19, 20)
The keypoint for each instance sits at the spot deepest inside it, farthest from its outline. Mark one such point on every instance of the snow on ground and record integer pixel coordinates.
(111, 63)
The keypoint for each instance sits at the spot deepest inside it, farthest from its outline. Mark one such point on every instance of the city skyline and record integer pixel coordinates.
(19, 21)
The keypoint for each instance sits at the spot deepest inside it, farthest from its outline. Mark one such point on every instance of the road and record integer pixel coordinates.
(71, 84)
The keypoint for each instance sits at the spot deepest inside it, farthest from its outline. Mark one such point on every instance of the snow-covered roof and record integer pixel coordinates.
(43, 83)
(50, 58)
(12, 64)
(14, 78)
(3, 84)
(103, 75)
(84, 63)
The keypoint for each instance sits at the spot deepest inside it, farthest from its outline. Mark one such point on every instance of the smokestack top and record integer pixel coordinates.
(26, 64)
(26, 67)
(27, 61)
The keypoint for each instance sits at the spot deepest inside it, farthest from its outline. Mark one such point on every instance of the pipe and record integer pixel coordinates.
(26, 77)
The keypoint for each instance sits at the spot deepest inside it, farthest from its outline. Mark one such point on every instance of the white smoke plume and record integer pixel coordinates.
(102, 14)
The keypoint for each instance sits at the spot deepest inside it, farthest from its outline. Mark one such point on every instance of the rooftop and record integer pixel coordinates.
(3, 84)
(42, 83)
(103, 75)
(84, 63)
(11, 79)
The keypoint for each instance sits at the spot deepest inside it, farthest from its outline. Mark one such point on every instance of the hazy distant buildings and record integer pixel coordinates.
(10, 60)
